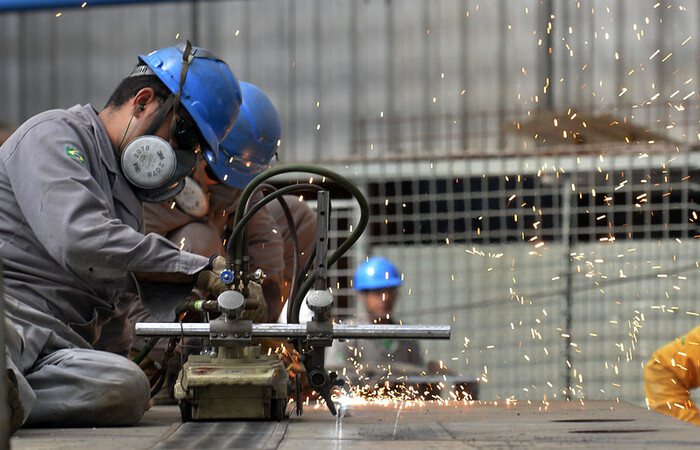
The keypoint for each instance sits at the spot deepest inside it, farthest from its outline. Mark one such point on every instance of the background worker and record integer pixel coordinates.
(377, 283)
(71, 186)
(200, 218)
(372, 363)
(671, 373)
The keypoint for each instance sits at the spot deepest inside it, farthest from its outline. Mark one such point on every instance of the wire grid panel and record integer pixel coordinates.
(559, 276)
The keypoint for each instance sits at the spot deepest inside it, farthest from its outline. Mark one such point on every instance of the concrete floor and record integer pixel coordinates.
(593, 424)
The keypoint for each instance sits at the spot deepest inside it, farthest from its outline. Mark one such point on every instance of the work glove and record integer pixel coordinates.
(209, 278)
(255, 304)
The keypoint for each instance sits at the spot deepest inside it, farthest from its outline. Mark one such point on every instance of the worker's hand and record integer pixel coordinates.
(256, 307)
(209, 278)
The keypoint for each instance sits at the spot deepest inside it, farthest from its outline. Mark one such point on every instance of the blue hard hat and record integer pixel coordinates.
(376, 273)
(211, 94)
(252, 143)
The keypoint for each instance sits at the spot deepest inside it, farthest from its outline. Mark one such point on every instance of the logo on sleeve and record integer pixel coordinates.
(75, 154)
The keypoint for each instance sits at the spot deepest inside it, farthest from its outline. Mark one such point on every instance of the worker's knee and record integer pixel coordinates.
(97, 389)
(126, 394)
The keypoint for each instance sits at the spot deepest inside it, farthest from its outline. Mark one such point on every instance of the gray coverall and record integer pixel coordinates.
(69, 242)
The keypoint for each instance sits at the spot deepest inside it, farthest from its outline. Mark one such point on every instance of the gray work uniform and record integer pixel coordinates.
(69, 241)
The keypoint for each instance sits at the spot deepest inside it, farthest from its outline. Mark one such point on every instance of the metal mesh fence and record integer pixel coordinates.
(561, 269)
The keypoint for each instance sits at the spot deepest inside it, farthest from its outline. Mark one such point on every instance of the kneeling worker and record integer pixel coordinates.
(71, 186)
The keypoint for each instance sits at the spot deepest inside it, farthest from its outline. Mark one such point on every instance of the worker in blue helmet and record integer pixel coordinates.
(199, 219)
(377, 283)
(71, 231)
(253, 142)
(396, 365)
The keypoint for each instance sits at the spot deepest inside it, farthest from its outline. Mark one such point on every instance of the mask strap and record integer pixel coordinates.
(128, 124)
(187, 57)
(152, 128)
(160, 115)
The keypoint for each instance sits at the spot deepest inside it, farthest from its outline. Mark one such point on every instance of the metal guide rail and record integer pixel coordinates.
(286, 330)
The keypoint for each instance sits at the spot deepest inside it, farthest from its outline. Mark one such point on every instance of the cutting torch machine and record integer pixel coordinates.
(231, 377)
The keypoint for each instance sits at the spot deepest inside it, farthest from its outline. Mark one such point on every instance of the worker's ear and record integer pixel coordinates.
(141, 99)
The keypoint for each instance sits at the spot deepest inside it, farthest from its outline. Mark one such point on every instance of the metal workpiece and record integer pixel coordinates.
(593, 424)
(292, 330)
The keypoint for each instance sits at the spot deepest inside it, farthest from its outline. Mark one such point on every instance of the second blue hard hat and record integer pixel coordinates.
(252, 143)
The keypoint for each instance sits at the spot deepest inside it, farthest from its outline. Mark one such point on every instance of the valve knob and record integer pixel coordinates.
(226, 276)
(231, 303)
(320, 302)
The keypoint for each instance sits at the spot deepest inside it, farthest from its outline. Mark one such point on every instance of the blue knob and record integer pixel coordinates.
(227, 276)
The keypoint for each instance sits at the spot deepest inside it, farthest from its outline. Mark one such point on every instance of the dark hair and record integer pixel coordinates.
(130, 86)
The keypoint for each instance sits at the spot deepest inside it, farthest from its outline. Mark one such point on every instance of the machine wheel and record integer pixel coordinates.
(185, 411)
(277, 407)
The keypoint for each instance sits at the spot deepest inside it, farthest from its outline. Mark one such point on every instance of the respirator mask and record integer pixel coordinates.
(155, 169)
